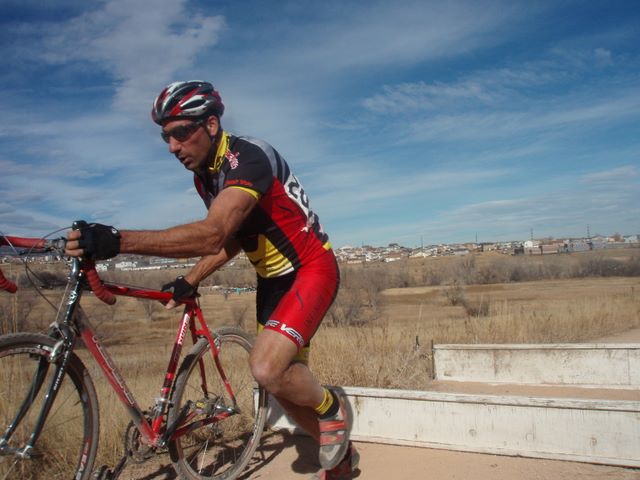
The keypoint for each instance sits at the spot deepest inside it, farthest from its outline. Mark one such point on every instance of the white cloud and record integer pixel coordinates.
(612, 177)
(547, 115)
(360, 189)
(408, 97)
(564, 205)
(141, 43)
(396, 33)
(603, 57)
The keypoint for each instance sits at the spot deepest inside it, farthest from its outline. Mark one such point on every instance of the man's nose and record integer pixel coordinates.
(174, 145)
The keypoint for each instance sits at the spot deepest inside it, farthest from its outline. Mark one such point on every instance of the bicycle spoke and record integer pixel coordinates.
(204, 447)
(222, 448)
(6, 476)
(68, 440)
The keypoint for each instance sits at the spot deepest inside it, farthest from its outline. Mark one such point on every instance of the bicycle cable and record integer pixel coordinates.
(29, 272)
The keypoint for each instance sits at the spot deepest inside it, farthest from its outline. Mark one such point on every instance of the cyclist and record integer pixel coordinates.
(257, 205)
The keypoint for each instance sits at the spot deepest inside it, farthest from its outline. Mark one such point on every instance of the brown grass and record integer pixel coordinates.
(380, 331)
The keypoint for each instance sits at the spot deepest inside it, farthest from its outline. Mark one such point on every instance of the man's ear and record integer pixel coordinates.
(213, 124)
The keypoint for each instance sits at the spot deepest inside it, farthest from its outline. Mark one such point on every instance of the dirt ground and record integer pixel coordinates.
(287, 457)
(383, 462)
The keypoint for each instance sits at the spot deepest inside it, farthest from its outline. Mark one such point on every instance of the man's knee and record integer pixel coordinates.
(263, 371)
(270, 359)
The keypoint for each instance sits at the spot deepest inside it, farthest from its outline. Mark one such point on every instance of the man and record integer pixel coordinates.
(256, 204)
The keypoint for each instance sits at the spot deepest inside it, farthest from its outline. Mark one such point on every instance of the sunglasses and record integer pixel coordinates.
(181, 133)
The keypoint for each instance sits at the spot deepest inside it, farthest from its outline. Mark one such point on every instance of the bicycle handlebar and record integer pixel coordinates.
(89, 268)
(19, 242)
(39, 244)
(42, 245)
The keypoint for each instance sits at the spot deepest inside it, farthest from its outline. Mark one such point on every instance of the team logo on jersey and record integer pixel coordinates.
(292, 332)
(233, 159)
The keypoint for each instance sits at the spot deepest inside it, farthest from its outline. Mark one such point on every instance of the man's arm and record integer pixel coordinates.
(207, 265)
(210, 263)
(205, 237)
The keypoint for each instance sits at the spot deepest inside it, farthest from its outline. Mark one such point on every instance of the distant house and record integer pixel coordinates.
(393, 257)
(126, 265)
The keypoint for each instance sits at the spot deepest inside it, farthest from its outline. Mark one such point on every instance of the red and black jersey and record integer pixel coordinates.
(281, 233)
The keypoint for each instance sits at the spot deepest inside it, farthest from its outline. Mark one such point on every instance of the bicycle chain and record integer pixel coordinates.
(134, 450)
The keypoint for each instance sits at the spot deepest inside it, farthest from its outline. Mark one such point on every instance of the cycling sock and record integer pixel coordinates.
(329, 406)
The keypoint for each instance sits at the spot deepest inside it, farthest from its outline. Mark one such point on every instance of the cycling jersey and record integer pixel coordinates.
(297, 272)
(281, 233)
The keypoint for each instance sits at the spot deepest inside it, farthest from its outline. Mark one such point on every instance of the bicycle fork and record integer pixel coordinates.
(60, 350)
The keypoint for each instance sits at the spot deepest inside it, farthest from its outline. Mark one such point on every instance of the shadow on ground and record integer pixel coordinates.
(272, 444)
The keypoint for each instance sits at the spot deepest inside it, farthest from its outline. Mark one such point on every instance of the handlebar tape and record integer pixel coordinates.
(6, 284)
(96, 284)
(19, 242)
(22, 242)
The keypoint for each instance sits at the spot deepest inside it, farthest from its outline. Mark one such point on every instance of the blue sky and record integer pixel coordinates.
(406, 121)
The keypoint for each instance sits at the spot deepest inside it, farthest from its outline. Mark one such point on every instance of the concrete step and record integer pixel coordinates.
(597, 365)
(580, 424)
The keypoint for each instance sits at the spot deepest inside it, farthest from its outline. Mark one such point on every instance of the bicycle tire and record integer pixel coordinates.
(68, 443)
(221, 450)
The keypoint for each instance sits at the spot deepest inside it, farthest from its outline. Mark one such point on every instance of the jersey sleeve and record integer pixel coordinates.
(248, 169)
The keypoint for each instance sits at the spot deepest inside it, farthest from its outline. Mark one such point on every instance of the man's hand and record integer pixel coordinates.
(180, 289)
(94, 241)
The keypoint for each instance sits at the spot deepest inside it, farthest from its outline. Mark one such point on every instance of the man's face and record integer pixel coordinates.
(190, 141)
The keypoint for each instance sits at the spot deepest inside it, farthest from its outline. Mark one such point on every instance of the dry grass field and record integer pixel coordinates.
(381, 328)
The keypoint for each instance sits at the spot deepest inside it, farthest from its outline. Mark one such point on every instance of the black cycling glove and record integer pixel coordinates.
(98, 241)
(180, 289)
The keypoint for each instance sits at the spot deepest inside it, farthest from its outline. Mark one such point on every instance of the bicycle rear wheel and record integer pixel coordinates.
(222, 449)
(67, 445)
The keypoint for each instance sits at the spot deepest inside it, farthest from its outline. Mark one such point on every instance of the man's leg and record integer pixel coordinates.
(293, 384)
(300, 395)
(291, 310)
(305, 417)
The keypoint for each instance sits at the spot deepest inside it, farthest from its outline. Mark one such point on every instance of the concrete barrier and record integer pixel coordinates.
(596, 431)
(599, 365)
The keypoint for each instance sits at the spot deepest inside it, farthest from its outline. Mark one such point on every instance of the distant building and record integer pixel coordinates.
(126, 265)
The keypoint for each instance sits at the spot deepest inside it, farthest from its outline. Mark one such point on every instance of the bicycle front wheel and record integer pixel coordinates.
(219, 448)
(66, 447)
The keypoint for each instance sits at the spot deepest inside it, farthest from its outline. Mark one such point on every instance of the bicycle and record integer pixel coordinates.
(210, 414)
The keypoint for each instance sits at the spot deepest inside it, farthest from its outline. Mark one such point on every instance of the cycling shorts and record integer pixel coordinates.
(294, 304)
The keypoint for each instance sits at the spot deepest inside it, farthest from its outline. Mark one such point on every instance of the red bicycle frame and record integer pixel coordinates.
(154, 431)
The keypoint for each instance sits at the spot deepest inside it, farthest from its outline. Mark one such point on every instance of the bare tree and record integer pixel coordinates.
(238, 314)
(149, 306)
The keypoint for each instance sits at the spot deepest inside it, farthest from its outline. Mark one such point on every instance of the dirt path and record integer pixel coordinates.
(286, 457)
(383, 462)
